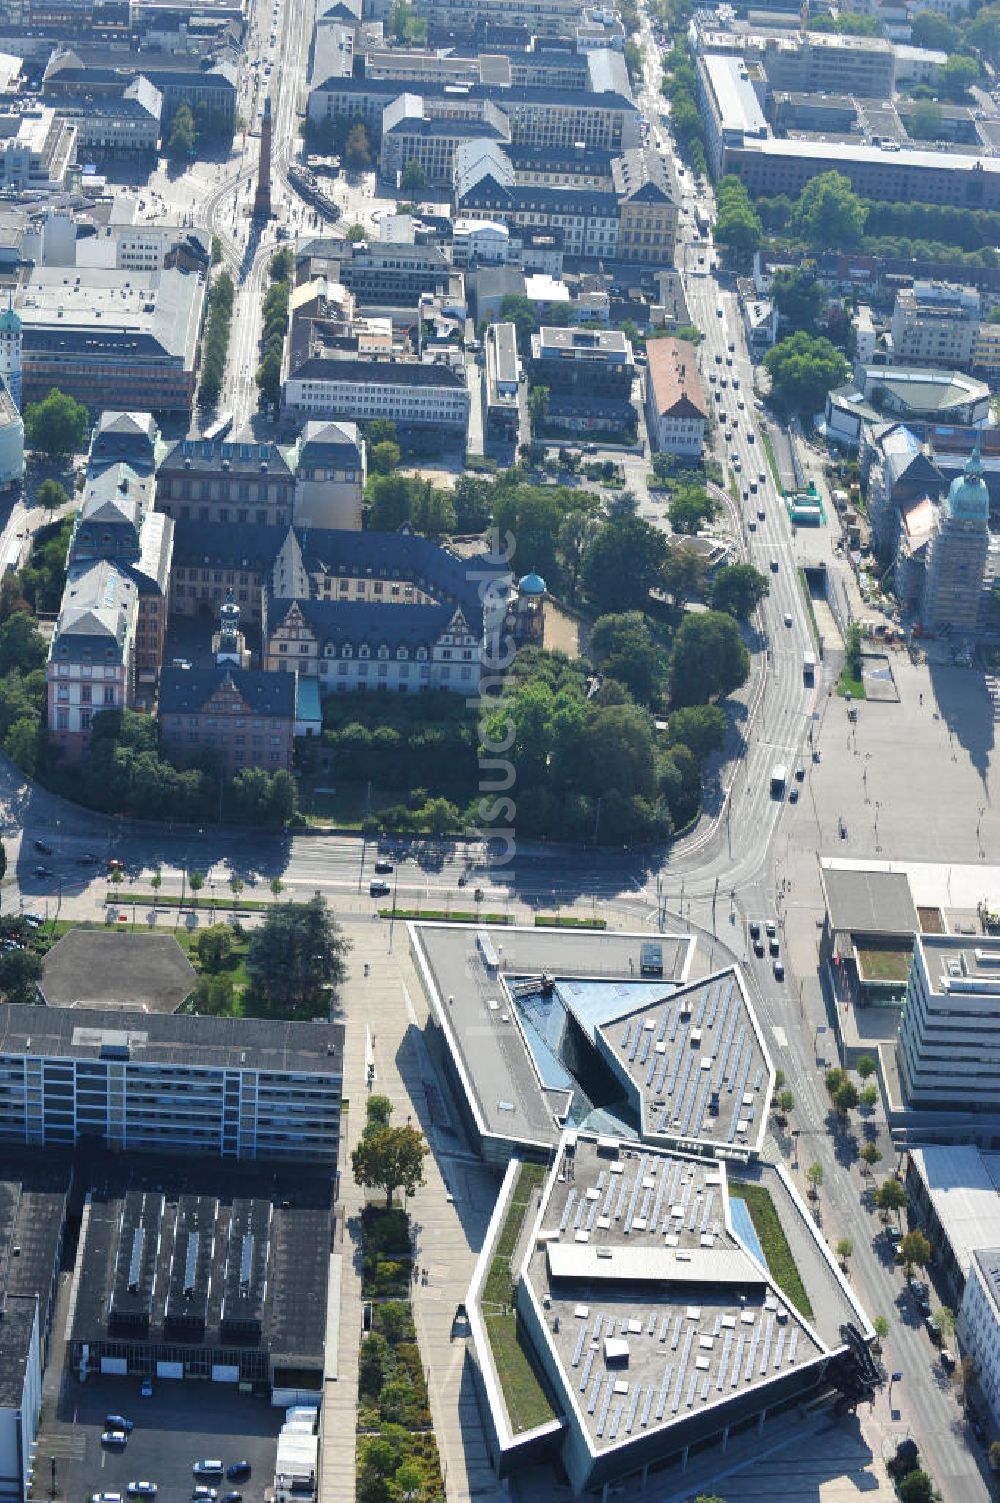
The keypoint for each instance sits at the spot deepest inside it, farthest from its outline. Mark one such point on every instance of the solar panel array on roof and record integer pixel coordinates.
(190, 1278)
(685, 1050)
(246, 1270)
(131, 1303)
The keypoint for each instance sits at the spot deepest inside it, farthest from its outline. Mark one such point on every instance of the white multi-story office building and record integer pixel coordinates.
(935, 323)
(36, 149)
(979, 1324)
(410, 393)
(947, 1050)
(148, 1082)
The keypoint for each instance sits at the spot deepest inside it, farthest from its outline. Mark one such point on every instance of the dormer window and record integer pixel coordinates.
(383, 652)
(421, 654)
(364, 652)
(402, 654)
(347, 650)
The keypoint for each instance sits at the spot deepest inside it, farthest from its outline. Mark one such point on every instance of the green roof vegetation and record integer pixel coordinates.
(527, 1402)
(774, 1243)
(884, 964)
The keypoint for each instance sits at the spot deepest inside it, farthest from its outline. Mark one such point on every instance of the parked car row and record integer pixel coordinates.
(115, 1435)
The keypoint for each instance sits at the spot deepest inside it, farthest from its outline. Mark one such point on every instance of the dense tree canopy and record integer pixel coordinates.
(390, 1158)
(295, 953)
(828, 213)
(803, 370)
(957, 75)
(798, 296)
(180, 142)
(847, 24)
(738, 224)
(929, 28)
(690, 508)
(739, 589)
(709, 659)
(701, 728)
(924, 122)
(56, 425)
(624, 648)
(624, 562)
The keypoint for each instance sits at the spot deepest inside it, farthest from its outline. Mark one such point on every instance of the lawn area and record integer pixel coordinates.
(526, 1400)
(244, 1004)
(527, 1404)
(123, 897)
(773, 1242)
(807, 597)
(848, 685)
(884, 964)
(496, 1290)
(453, 916)
(567, 921)
(765, 439)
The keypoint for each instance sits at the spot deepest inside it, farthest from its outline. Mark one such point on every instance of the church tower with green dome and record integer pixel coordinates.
(10, 352)
(956, 559)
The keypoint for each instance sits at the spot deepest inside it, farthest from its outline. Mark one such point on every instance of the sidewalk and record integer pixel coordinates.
(387, 1013)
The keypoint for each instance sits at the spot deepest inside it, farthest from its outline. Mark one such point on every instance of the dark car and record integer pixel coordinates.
(754, 929)
(774, 945)
(238, 1471)
(118, 1422)
(42, 871)
(231, 1498)
(42, 848)
(793, 795)
(379, 889)
(383, 866)
(758, 948)
(800, 773)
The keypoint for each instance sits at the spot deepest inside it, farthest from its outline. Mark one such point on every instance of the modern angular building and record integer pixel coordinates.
(655, 1323)
(11, 439)
(935, 323)
(36, 150)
